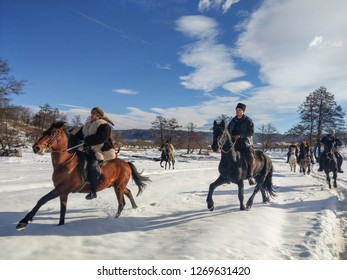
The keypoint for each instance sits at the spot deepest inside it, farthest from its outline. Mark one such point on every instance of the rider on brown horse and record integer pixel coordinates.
(331, 141)
(96, 134)
(241, 129)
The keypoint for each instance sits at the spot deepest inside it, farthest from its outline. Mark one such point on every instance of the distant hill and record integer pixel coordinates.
(148, 134)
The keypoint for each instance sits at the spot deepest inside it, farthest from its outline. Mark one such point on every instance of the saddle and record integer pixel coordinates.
(83, 163)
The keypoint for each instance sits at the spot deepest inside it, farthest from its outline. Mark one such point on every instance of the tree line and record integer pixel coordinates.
(317, 113)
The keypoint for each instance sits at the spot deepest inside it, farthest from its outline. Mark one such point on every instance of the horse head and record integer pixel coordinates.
(218, 130)
(51, 139)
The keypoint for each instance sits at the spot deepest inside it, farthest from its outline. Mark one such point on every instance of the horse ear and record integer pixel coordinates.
(222, 123)
(214, 123)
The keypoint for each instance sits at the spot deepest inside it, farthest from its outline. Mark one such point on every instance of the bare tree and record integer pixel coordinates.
(8, 84)
(266, 136)
(191, 129)
(159, 125)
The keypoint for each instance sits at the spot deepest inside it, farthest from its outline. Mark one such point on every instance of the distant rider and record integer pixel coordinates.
(331, 142)
(295, 147)
(305, 149)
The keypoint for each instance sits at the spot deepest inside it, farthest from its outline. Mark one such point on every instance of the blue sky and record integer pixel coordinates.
(185, 59)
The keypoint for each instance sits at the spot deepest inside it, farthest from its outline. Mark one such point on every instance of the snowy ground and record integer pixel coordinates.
(306, 221)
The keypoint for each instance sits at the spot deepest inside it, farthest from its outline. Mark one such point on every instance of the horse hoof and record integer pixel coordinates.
(248, 207)
(210, 206)
(242, 208)
(21, 226)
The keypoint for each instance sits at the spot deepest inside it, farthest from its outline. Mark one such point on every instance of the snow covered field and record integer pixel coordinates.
(306, 221)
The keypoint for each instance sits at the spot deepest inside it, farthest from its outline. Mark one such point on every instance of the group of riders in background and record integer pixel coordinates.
(330, 143)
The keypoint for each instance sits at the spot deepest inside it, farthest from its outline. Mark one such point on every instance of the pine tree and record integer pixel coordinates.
(320, 112)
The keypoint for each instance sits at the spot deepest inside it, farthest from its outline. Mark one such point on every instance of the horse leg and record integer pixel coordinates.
(266, 198)
(335, 177)
(29, 217)
(249, 203)
(63, 204)
(120, 190)
(328, 179)
(309, 170)
(210, 204)
(161, 164)
(173, 164)
(240, 195)
(129, 195)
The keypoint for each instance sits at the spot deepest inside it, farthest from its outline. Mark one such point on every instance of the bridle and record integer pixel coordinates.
(223, 139)
(52, 137)
(55, 136)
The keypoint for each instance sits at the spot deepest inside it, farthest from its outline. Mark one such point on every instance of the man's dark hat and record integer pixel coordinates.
(241, 106)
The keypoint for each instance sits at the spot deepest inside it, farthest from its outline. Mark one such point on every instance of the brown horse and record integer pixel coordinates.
(67, 173)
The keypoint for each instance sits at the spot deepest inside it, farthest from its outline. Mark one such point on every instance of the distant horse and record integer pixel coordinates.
(167, 155)
(232, 169)
(305, 161)
(292, 159)
(330, 164)
(67, 174)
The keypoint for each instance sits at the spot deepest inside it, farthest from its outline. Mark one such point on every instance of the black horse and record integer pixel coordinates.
(330, 164)
(232, 169)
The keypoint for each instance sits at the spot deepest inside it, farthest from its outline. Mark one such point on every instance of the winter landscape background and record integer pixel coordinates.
(306, 221)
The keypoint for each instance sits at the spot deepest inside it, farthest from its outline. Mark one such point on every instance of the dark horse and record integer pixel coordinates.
(232, 169)
(330, 164)
(67, 174)
(305, 161)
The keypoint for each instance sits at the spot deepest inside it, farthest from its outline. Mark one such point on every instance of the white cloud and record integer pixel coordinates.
(198, 27)
(125, 91)
(237, 87)
(163, 66)
(212, 62)
(224, 5)
(316, 42)
(277, 37)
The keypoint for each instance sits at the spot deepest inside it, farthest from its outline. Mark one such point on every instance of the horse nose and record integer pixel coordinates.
(36, 149)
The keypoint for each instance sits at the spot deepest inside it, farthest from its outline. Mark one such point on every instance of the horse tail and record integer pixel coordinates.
(139, 179)
(268, 185)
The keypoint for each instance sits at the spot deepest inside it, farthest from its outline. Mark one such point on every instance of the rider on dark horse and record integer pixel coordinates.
(330, 141)
(241, 129)
(305, 149)
(98, 146)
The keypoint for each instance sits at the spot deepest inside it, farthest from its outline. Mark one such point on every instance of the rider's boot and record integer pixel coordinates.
(94, 174)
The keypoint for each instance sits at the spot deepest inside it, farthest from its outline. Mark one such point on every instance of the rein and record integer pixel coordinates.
(56, 137)
(223, 139)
